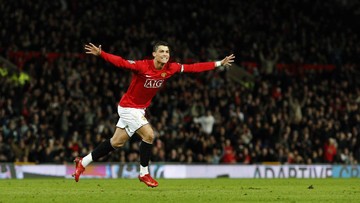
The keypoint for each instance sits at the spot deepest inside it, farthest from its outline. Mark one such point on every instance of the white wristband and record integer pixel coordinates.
(217, 63)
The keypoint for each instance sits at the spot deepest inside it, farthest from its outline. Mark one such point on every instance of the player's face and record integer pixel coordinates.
(162, 54)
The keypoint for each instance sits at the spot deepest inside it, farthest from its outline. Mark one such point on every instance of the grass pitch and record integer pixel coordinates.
(181, 190)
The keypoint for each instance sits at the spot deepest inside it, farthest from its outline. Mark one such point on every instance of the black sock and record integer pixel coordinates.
(145, 153)
(103, 149)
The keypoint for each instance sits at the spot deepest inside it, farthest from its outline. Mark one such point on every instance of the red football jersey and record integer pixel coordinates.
(147, 80)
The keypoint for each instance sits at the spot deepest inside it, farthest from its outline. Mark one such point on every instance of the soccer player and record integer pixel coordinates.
(148, 77)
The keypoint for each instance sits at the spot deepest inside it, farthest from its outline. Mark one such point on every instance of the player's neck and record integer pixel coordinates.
(158, 66)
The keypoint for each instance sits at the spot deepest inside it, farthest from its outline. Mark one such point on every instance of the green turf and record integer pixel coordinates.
(181, 190)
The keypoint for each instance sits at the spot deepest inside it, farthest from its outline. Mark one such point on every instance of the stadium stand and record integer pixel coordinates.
(297, 101)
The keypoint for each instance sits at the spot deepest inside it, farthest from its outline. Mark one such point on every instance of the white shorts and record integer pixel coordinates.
(131, 119)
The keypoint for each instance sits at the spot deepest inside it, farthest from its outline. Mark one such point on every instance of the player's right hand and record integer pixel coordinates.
(92, 49)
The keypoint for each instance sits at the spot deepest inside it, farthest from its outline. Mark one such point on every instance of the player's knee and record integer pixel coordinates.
(117, 144)
(149, 138)
(119, 138)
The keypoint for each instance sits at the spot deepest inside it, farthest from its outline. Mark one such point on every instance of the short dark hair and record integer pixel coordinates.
(160, 43)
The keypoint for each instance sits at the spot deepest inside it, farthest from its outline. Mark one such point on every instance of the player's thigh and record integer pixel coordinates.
(119, 138)
(146, 133)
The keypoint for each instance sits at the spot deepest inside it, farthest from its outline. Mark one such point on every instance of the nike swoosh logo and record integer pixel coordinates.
(148, 76)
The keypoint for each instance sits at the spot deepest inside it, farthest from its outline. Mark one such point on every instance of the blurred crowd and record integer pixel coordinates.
(296, 117)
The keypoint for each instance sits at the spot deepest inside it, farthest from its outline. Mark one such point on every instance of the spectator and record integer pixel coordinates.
(330, 149)
(228, 153)
(206, 121)
(268, 62)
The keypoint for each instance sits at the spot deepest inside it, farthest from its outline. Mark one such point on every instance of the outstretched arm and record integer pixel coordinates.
(205, 66)
(115, 60)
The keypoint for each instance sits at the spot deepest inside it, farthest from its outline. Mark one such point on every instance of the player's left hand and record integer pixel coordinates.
(228, 60)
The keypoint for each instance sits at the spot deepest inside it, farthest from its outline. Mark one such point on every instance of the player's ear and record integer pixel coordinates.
(154, 54)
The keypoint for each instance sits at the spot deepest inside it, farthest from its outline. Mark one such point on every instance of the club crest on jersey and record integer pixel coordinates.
(163, 74)
(151, 83)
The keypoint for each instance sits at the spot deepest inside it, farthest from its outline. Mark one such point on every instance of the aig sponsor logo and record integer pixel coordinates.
(151, 83)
